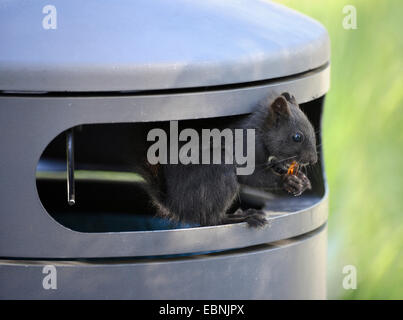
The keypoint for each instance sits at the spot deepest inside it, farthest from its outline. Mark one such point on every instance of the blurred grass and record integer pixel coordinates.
(363, 145)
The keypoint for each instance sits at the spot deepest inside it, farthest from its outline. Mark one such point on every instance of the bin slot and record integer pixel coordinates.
(112, 192)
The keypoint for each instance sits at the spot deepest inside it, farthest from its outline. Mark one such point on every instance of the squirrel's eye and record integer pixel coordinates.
(298, 137)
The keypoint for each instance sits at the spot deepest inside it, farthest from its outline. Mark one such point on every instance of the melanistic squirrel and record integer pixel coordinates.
(204, 193)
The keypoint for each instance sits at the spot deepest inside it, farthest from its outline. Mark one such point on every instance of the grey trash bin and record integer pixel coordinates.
(130, 62)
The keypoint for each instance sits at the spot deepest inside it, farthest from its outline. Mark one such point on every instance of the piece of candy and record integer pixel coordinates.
(293, 168)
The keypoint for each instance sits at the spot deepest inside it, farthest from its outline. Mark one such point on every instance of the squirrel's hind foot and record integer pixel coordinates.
(255, 218)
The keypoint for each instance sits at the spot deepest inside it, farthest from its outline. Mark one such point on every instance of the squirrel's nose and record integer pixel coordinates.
(313, 159)
(310, 158)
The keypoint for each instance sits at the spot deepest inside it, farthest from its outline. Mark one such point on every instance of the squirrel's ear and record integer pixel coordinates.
(280, 107)
(289, 98)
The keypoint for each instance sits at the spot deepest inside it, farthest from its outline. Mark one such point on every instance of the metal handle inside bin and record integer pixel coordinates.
(71, 196)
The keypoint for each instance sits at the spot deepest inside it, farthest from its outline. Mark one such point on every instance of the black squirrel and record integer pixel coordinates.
(204, 193)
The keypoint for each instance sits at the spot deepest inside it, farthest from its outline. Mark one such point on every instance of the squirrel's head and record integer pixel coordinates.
(290, 135)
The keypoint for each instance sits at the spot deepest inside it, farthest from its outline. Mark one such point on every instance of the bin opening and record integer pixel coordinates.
(110, 195)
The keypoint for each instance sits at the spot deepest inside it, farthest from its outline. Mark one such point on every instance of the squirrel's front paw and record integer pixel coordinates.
(296, 184)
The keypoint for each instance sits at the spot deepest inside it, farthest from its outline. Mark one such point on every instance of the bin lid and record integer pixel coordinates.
(126, 45)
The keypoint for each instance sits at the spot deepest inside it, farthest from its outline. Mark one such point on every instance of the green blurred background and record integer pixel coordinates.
(363, 145)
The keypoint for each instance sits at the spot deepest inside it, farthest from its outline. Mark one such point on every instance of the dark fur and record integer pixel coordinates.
(203, 194)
